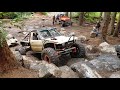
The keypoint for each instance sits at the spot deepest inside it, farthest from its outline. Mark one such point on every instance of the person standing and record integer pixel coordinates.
(98, 25)
(53, 19)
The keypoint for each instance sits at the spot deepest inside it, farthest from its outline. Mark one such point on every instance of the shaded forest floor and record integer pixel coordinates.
(36, 21)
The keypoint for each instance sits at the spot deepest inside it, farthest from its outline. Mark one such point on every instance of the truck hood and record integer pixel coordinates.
(61, 39)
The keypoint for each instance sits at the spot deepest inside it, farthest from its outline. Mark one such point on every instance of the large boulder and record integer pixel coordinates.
(82, 39)
(27, 61)
(107, 48)
(92, 51)
(18, 57)
(85, 70)
(115, 75)
(67, 72)
(46, 70)
(11, 41)
(106, 62)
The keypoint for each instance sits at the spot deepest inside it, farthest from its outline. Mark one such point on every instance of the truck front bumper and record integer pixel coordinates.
(67, 51)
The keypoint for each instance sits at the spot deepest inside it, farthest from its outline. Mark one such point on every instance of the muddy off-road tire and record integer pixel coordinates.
(80, 52)
(50, 55)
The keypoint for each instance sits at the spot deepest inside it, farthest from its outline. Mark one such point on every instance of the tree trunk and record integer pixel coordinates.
(81, 18)
(66, 13)
(115, 34)
(7, 59)
(111, 26)
(105, 26)
(100, 18)
(70, 15)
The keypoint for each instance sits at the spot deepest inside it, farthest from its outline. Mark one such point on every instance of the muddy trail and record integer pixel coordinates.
(35, 22)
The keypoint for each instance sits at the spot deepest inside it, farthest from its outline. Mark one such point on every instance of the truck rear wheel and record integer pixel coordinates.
(50, 55)
(80, 51)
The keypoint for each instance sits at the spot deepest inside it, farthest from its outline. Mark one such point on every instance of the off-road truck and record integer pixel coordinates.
(52, 45)
(64, 20)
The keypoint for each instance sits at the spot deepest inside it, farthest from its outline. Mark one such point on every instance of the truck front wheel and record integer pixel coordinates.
(79, 52)
(50, 55)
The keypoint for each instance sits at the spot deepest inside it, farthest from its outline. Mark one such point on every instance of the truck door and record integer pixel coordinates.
(36, 45)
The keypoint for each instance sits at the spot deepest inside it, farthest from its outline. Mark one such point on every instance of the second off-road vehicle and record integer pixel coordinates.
(64, 20)
(53, 45)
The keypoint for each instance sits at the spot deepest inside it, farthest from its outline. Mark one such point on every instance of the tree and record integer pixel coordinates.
(100, 18)
(70, 15)
(7, 59)
(111, 26)
(104, 28)
(66, 13)
(115, 34)
(81, 18)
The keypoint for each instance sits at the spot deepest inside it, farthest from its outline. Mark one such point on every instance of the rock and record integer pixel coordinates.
(82, 38)
(54, 70)
(92, 52)
(9, 36)
(85, 70)
(107, 48)
(115, 75)
(104, 44)
(92, 34)
(91, 56)
(27, 62)
(92, 49)
(74, 60)
(11, 41)
(67, 72)
(18, 57)
(45, 69)
(106, 62)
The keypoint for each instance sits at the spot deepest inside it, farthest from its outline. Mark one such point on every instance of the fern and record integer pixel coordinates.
(3, 35)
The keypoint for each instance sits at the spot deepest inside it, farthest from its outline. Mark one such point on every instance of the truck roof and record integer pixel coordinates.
(44, 28)
(47, 28)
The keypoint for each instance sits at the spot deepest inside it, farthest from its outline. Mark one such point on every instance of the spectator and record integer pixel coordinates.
(98, 25)
(53, 19)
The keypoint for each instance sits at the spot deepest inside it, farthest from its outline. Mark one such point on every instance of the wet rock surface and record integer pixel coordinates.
(107, 62)
(115, 75)
(67, 72)
(45, 69)
(85, 70)
(107, 48)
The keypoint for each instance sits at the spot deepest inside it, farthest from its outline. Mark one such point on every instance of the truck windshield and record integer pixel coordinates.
(49, 33)
(54, 33)
(45, 33)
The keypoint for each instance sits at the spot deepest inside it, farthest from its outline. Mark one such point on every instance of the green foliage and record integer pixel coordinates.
(7, 15)
(21, 16)
(92, 16)
(3, 34)
(44, 13)
(89, 16)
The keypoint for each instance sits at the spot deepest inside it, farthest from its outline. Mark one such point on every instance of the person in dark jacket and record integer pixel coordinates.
(98, 25)
(53, 19)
